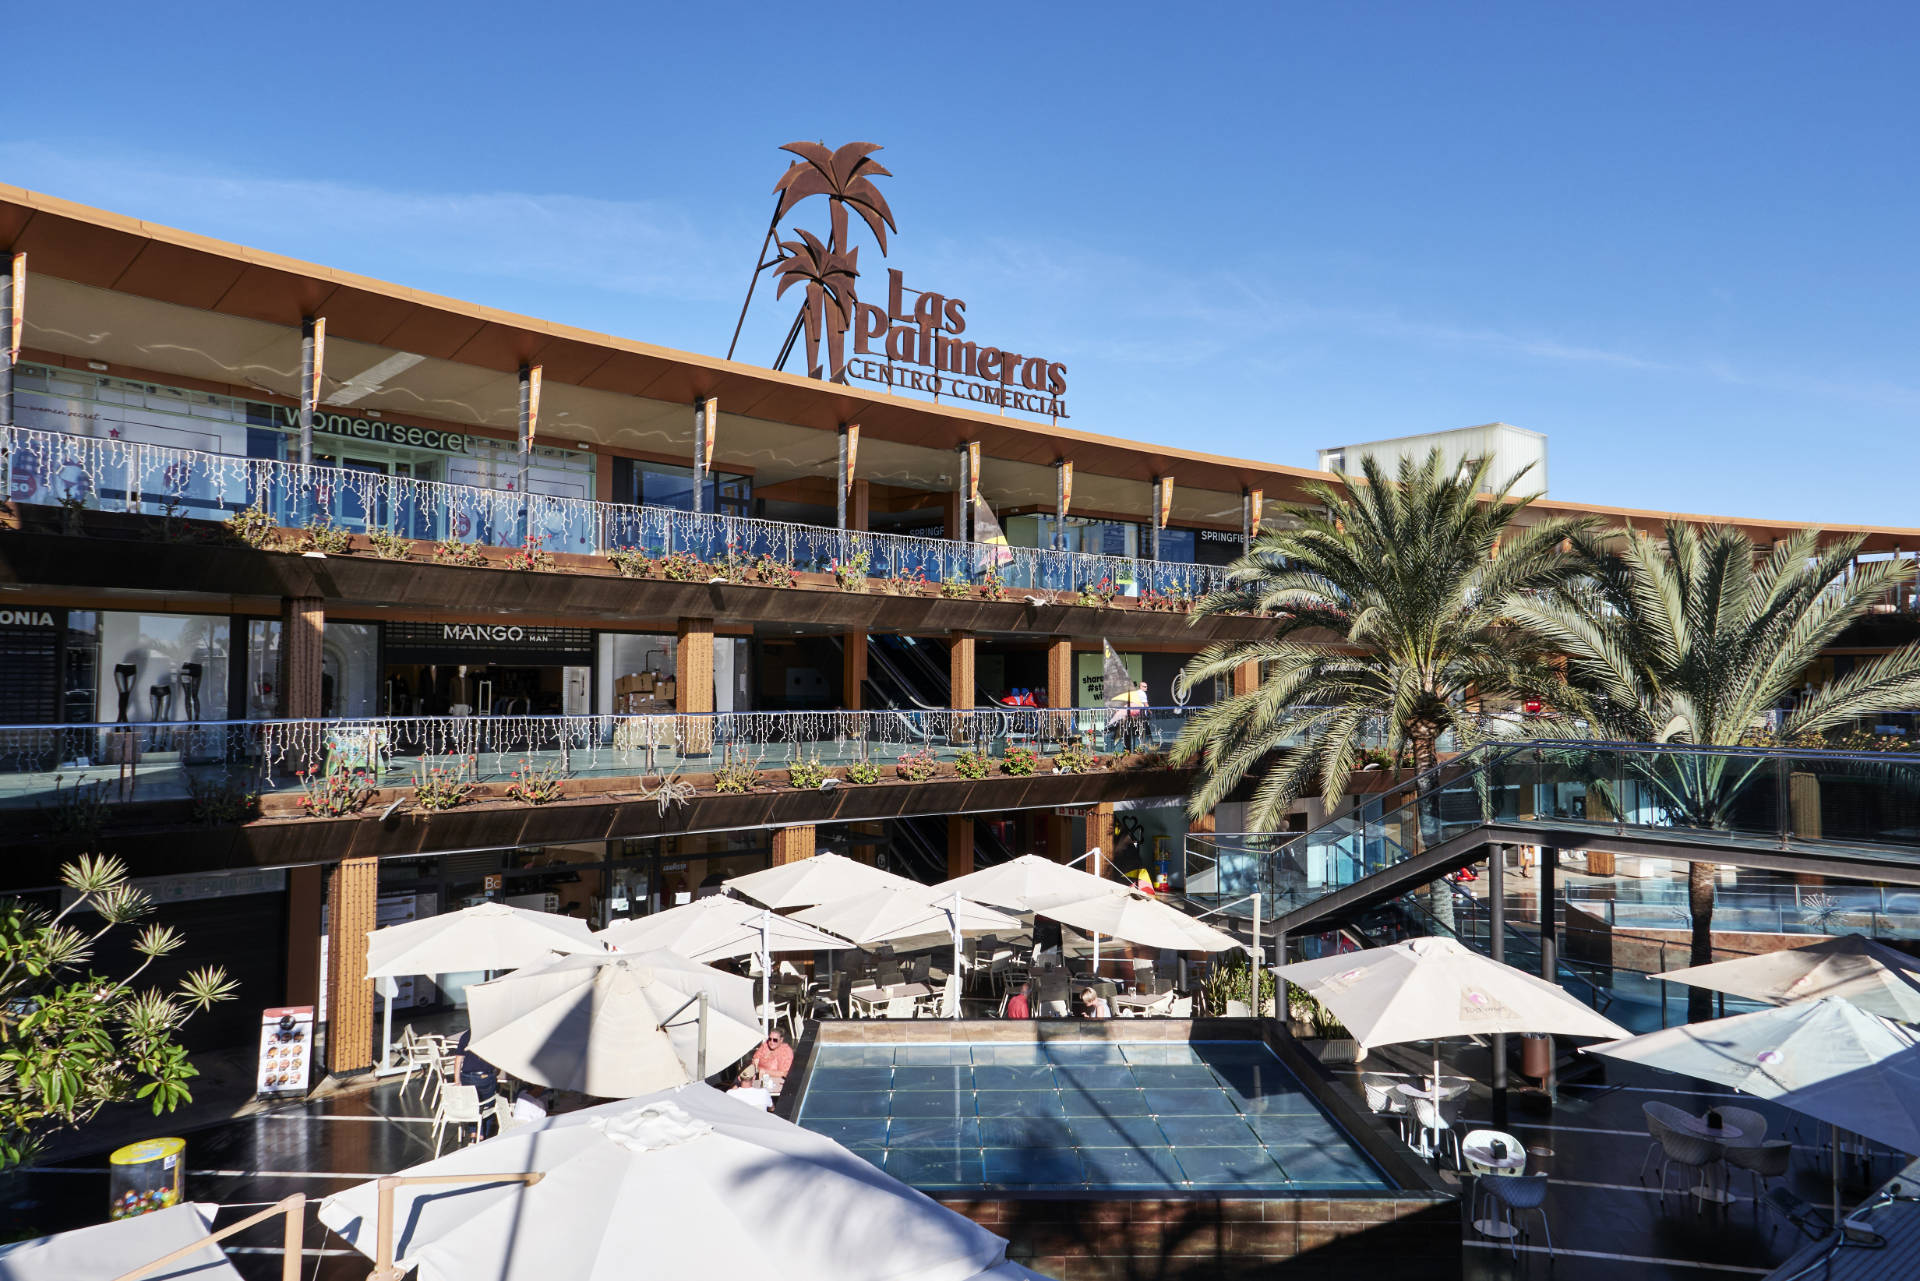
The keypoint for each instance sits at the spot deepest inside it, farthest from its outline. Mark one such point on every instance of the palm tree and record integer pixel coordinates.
(828, 277)
(1696, 639)
(845, 176)
(1392, 600)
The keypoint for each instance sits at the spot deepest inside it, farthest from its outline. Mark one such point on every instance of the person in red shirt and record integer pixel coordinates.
(772, 1061)
(1019, 1006)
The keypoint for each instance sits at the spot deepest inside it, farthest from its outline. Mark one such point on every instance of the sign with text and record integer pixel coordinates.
(927, 337)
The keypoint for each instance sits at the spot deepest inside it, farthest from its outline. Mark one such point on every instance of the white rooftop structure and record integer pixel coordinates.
(1510, 448)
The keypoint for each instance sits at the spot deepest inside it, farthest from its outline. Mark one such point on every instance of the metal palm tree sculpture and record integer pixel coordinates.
(828, 277)
(1696, 639)
(1411, 580)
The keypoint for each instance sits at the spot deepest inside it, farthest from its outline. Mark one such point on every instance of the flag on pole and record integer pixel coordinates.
(986, 530)
(853, 450)
(1066, 487)
(533, 404)
(1166, 500)
(710, 411)
(19, 327)
(319, 357)
(1255, 499)
(1115, 680)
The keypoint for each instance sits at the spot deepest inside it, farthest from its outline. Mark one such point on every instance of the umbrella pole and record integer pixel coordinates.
(956, 953)
(766, 977)
(700, 1056)
(1834, 1132)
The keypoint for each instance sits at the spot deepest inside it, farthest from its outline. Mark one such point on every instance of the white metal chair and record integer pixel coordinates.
(459, 1105)
(502, 1113)
(1182, 1008)
(1437, 1136)
(901, 1007)
(1384, 1100)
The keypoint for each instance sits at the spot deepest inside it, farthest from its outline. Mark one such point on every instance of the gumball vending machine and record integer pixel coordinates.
(145, 1176)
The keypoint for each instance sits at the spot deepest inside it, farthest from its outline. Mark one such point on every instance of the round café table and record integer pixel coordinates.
(1724, 1133)
(1480, 1160)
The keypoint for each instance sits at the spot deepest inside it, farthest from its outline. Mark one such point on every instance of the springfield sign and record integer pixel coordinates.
(925, 338)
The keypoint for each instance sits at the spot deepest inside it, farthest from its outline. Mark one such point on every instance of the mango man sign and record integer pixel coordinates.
(926, 336)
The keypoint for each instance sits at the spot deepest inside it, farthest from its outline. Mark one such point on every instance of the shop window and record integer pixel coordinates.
(163, 667)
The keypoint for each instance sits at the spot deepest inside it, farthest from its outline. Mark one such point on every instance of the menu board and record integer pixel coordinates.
(286, 1050)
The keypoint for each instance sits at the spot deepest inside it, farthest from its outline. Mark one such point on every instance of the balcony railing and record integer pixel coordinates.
(66, 768)
(117, 475)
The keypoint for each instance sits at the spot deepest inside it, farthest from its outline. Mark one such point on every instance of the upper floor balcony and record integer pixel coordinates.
(327, 506)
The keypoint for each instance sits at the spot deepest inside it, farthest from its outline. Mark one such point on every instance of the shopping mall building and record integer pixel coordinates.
(269, 517)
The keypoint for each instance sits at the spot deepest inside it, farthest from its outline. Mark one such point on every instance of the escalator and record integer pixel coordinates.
(908, 672)
(917, 848)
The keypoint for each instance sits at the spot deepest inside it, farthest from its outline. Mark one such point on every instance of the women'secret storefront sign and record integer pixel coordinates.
(376, 429)
(927, 334)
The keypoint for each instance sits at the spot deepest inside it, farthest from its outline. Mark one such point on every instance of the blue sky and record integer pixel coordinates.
(1679, 239)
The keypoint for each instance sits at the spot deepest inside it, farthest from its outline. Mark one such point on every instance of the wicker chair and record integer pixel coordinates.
(1678, 1148)
(1751, 1124)
(1763, 1162)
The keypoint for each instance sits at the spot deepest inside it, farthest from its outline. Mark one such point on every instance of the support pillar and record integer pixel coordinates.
(306, 891)
(960, 677)
(959, 845)
(1497, 949)
(9, 305)
(1246, 678)
(1060, 673)
(853, 669)
(693, 676)
(303, 623)
(1099, 836)
(1153, 519)
(309, 384)
(1060, 836)
(352, 890)
(860, 506)
(1549, 935)
(1062, 501)
(792, 844)
(952, 522)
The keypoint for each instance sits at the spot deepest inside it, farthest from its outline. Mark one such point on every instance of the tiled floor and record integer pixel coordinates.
(1210, 1116)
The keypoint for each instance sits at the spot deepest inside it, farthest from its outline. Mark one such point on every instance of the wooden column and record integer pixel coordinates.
(1246, 678)
(306, 890)
(959, 845)
(792, 844)
(853, 669)
(352, 888)
(860, 506)
(960, 670)
(950, 515)
(694, 679)
(1060, 836)
(1099, 836)
(303, 622)
(1060, 672)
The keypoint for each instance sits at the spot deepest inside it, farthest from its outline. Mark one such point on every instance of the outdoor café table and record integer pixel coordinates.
(1432, 1096)
(1137, 1000)
(1724, 1133)
(1481, 1160)
(753, 1096)
(870, 997)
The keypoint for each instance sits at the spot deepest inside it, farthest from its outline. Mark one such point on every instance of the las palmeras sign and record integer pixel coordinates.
(919, 340)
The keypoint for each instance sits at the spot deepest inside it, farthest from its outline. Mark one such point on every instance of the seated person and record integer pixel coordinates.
(772, 1061)
(1093, 1005)
(1020, 1004)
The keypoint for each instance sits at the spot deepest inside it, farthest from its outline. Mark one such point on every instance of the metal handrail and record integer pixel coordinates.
(164, 480)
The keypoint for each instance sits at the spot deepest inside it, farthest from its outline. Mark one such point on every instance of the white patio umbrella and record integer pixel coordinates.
(881, 916)
(486, 936)
(1433, 989)
(1852, 967)
(1133, 917)
(718, 927)
(115, 1248)
(614, 1024)
(683, 1185)
(812, 881)
(1827, 1058)
(1028, 883)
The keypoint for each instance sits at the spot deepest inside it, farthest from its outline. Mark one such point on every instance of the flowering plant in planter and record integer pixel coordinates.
(912, 583)
(631, 562)
(682, 567)
(918, 767)
(439, 788)
(389, 546)
(973, 764)
(953, 588)
(533, 556)
(851, 573)
(993, 587)
(334, 793)
(255, 527)
(1077, 758)
(537, 784)
(1020, 759)
(863, 772)
(769, 572)
(1099, 595)
(327, 538)
(736, 774)
(454, 551)
(806, 774)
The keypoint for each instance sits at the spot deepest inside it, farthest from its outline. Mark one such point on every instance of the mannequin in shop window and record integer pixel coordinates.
(190, 676)
(160, 702)
(123, 676)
